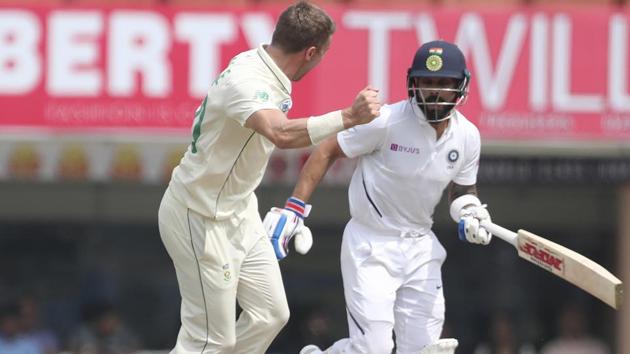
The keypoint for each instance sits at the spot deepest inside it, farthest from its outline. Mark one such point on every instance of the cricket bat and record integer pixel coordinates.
(564, 263)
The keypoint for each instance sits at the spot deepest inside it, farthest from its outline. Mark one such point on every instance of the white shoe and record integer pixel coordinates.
(442, 346)
(311, 349)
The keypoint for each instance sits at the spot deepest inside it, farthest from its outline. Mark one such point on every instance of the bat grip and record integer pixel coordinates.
(501, 232)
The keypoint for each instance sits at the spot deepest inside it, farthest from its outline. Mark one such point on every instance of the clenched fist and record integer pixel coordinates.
(365, 108)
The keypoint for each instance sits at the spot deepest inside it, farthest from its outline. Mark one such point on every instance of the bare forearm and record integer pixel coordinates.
(316, 167)
(295, 133)
(302, 132)
(316, 129)
(292, 133)
(457, 190)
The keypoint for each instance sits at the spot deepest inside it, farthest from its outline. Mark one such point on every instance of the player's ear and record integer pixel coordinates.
(310, 52)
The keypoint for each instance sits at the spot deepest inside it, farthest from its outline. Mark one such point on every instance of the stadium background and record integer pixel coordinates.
(88, 137)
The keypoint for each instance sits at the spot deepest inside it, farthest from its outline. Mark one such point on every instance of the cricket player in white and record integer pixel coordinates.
(390, 259)
(208, 218)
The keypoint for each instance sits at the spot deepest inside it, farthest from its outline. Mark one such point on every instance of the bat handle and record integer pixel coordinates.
(501, 232)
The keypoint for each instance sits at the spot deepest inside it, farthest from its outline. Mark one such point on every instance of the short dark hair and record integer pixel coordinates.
(300, 26)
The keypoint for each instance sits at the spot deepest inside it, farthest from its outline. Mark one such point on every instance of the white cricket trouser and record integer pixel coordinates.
(390, 283)
(219, 263)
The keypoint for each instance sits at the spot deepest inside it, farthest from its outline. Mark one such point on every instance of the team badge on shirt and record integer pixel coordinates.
(285, 106)
(226, 272)
(453, 155)
(261, 96)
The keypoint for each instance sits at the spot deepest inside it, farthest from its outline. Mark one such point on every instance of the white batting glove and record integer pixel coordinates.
(469, 228)
(442, 346)
(303, 237)
(303, 240)
(284, 224)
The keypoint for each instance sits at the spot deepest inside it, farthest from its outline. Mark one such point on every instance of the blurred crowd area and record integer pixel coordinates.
(322, 2)
(109, 288)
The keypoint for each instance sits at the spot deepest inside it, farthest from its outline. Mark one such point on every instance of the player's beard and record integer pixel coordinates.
(435, 112)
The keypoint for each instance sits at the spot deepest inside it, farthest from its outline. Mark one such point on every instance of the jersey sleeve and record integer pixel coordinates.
(365, 138)
(467, 175)
(245, 98)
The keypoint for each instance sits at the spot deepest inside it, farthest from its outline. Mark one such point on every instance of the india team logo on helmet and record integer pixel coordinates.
(438, 59)
(434, 61)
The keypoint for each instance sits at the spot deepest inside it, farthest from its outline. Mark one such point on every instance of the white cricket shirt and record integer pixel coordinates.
(225, 161)
(402, 170)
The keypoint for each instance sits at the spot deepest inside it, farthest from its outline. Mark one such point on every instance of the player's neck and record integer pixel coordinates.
(288, 63)
(440, 128)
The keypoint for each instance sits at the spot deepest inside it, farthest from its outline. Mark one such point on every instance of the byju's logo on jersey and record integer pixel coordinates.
(402, 148)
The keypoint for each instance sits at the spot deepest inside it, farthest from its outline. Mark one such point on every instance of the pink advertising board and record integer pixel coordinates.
(538, 73)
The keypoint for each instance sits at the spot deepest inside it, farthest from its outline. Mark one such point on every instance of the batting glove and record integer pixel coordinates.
(442, 346)
(469, 228)
(284, 224)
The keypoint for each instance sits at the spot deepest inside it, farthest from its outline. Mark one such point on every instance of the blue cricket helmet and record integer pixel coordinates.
(438, 59)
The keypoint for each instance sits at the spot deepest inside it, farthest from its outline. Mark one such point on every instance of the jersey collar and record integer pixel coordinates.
(279, 74)
(454, 120)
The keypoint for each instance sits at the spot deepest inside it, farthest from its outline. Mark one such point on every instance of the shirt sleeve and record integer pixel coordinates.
(365, 138)
(467, 175)
(245, 98)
